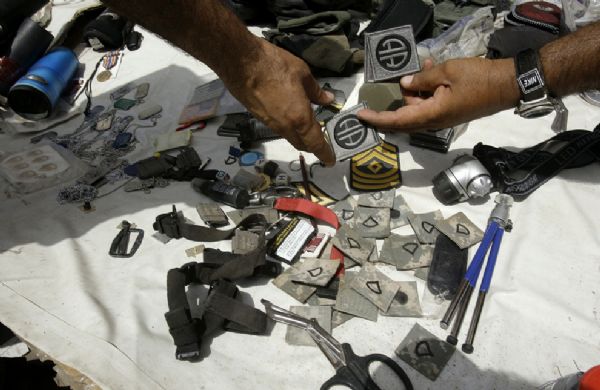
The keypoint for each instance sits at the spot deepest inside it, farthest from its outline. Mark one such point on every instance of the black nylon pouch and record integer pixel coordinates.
(396, 13)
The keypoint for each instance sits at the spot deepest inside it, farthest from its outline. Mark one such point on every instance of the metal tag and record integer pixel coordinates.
(244, 241)
(405, 252)
(461, 230)
(300, 292)
(406, 302)
(315, 272)
(425, 352)
(373, 222)
(352, 244)
(400, 212)
(349, 136)
(212, 214)
(345, 211)
(375, 286)
(105, 121)
(424, 226)
(377, 199)
(351, 302)
(297, 336)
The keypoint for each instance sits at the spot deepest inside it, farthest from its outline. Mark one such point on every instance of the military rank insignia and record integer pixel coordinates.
(376, 169)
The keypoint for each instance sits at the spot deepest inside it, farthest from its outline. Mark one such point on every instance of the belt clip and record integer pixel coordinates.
(168, 224)
(118, 248)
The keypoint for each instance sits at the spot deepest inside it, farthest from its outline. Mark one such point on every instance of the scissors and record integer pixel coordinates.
(351, 370)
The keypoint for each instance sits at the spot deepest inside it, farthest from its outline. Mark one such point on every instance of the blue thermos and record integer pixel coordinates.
(35, 95)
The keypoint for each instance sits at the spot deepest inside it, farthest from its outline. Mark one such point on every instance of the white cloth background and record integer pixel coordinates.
(60, 291)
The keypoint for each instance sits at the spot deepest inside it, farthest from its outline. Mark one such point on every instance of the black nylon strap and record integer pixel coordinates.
(519, 174)
(173, 225)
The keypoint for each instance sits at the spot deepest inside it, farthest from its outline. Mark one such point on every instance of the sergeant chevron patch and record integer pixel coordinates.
(376, 169)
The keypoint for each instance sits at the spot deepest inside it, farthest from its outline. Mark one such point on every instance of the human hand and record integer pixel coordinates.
(277, 88)
(449, 94)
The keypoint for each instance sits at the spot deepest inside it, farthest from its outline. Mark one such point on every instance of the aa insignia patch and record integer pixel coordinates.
(376, 169)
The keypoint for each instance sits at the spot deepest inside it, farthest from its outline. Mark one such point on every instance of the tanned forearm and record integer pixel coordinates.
(572, 64)
(206, 29)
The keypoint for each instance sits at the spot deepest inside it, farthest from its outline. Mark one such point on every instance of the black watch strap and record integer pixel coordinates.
(530, 76)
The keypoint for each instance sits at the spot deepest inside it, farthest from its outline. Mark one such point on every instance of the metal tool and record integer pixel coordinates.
(498, 223)
(351, 371)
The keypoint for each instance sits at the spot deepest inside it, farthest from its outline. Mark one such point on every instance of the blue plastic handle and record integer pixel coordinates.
(491, 263)
(474, 269)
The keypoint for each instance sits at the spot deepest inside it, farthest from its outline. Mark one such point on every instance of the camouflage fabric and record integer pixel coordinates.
(406, 302)
(373, 222)
(298, 336)
(352, 244)
(460, 230)
(400, 212)
(351, 302)
(375, 286)
(424, 226)
(314, 272)
(405, 252)
(377, 199)
(425, 352)
(298, 291)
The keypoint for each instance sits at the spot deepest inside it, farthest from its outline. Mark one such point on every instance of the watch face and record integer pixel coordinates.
(530, 81)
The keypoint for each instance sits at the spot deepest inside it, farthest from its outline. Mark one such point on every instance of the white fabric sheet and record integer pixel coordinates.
(60, 291)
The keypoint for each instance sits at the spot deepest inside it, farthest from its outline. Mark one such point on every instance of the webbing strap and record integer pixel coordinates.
(519, 174)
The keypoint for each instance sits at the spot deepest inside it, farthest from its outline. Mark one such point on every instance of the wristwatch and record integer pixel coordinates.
(530, 78)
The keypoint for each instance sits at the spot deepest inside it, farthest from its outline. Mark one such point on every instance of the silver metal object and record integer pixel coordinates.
(326, 343)
(269, 196)
(501, 211)
(467, 178)
(562, 116)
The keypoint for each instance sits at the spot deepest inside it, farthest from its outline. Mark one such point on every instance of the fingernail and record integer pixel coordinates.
(329, 95)
(406, 80)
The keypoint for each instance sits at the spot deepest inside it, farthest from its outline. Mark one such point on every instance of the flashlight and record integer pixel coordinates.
(466, 179)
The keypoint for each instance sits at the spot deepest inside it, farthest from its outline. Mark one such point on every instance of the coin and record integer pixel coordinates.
(104, 76)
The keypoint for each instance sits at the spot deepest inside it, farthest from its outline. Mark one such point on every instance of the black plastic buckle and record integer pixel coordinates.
(168, 224)
(118, 248)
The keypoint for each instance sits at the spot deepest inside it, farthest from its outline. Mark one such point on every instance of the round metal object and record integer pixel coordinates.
(592, 97)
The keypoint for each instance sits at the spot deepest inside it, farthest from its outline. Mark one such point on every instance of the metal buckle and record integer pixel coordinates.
(118, 248)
